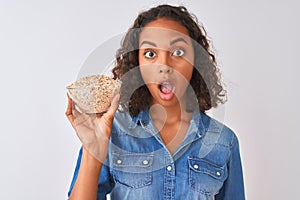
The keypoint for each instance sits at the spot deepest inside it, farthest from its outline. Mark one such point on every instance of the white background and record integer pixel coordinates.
(44, 44)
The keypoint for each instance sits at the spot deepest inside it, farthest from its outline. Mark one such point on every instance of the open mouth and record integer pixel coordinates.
(166, 87)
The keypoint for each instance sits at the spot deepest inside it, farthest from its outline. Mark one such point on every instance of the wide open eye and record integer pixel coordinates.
(149, 54)
(178, 52)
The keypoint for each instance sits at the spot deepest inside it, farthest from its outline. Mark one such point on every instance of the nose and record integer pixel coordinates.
(165, 69)
(164, 63)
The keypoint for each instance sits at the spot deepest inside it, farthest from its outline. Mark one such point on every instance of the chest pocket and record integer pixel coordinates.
(206, 177)
(133, 170)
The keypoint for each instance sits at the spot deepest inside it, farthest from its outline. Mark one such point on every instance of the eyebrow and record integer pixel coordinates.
(171, 43)
(178, 40)
(147, 42)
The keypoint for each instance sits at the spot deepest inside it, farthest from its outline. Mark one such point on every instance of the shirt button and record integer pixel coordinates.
(169, 168)
(119, 162)
(196, 166)
(145, 162)
(218, 174)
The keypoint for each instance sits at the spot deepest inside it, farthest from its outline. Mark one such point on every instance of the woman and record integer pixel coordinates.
(160, 144)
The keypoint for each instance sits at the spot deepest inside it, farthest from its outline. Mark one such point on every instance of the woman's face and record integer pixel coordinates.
(166, 59)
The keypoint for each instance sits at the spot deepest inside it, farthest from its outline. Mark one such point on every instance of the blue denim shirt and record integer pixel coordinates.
(138, 166)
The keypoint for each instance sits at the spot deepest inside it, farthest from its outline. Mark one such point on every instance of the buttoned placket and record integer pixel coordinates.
(170, 170)
(169, 175)
(169, 180)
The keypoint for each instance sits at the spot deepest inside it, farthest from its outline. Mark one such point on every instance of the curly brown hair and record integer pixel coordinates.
(205, 81)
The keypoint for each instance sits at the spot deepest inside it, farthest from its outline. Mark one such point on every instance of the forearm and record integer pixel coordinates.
(86, 184)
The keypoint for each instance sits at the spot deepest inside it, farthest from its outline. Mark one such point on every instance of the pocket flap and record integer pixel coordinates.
(132, 161)
(206, 167)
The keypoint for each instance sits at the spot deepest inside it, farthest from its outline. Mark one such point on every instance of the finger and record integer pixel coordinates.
(70, 105)
(109, 115)
(114, 105)
(68, 112)
(69, 98)
(75, 112)
(75, 117)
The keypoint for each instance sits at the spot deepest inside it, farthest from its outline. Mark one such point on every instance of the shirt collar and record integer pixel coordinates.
(204, 123)
(142, 118)
(208, 124)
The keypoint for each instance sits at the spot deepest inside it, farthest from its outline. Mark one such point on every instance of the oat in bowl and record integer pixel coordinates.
(93, 94)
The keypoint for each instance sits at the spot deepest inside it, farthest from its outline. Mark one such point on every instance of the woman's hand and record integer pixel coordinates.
(93, 130)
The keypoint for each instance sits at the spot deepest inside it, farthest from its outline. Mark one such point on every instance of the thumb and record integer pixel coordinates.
(114, 105)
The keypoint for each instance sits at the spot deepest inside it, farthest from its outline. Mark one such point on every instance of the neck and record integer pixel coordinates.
(170, 114)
